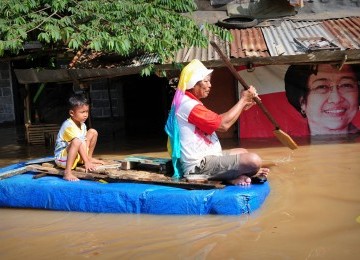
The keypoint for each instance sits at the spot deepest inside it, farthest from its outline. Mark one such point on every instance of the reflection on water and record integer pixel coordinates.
(311, 212)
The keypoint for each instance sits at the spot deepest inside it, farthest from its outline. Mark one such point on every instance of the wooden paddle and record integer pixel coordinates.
(283, 137)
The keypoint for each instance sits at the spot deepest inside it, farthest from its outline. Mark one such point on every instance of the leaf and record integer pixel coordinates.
(44, 37)
(147, 70)
(2, 48)
(73, 44)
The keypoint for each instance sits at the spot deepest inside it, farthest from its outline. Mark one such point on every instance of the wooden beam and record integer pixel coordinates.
(30, 76)
(308, 58)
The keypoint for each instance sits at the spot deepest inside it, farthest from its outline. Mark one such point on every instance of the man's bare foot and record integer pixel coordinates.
(263, 172)
(70, 177)
(243, 180)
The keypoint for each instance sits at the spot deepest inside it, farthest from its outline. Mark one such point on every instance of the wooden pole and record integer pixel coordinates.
(27, 112)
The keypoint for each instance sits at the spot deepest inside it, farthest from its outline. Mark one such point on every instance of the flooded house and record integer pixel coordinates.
(267, 39)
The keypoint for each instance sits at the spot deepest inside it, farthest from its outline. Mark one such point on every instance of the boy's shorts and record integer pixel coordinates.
(62, 159)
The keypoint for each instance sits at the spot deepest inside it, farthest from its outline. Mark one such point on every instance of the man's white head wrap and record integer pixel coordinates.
(191, 74)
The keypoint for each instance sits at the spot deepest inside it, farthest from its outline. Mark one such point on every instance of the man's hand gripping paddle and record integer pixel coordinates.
(283, 137)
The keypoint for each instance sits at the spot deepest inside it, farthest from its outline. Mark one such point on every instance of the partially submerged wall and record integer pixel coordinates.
(7, 113)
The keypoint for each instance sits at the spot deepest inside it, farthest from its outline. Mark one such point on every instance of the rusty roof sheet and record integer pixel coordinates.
(278, 39)
(248, 43)
(346, 31)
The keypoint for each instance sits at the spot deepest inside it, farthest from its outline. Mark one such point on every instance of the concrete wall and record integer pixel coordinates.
(101, 107)
(100, 102)
(7, 112)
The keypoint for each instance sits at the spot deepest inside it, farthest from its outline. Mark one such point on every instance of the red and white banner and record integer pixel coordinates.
(334, 98)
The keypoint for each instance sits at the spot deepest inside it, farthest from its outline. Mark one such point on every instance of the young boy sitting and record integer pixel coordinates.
(74, 144)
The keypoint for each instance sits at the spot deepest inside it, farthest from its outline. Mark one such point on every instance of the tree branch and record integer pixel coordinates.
(36, 27)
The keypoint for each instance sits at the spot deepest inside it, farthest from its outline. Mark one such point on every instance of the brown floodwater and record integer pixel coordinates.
(312, 211)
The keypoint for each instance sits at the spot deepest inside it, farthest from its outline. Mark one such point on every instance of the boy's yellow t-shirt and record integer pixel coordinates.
(68, 131)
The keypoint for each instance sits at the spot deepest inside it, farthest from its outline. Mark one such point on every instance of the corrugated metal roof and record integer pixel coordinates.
(203, 54)
(346, 31)
(280, 39)
(248, 43)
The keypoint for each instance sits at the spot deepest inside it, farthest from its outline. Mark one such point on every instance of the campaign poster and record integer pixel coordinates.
(303, 99)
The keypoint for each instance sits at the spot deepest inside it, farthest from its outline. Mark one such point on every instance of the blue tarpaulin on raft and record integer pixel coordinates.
(54, 193)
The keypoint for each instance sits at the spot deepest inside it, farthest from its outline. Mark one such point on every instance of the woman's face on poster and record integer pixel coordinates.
(332, 102)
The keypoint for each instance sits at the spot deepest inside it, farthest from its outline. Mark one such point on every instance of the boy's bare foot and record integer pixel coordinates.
(70, 177)
(96, 161)
(243, 180)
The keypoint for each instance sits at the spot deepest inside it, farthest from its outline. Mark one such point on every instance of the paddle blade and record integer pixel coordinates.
(285, 139)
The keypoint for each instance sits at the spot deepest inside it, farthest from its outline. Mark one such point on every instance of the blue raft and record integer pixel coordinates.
(54, 193)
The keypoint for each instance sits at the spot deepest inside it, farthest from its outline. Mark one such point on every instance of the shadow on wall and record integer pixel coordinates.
(146, 105)
(51, 105)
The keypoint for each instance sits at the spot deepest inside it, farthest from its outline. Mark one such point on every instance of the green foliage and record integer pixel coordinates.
(120, 26)
(147, 70)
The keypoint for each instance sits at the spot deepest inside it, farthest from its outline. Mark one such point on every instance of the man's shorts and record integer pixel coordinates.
(225, 167)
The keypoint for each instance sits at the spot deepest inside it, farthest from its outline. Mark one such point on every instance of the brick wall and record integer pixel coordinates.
(7, 113)
(100, 102)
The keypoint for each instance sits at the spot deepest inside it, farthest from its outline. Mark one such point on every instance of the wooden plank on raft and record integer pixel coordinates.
(40, 160)
(21, 170)
(13, 172)
(47, 170)
(140, 162)
(135, 170)
(115, 174)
